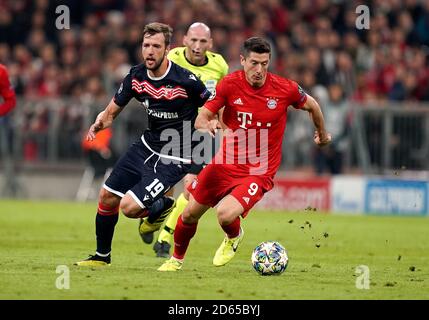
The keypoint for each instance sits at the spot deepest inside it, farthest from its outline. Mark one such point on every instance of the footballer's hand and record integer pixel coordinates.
(95, 127)
(213, 125)
(322, 139)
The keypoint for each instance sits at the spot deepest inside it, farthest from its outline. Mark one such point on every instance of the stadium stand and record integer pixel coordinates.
(61, 77)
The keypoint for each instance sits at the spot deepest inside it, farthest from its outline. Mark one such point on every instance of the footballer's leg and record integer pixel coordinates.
(185, 230)
(146, 229)
(123, 177)
(158, 212)
(228, 212)
(163, 244)
(150, 193)
(241, 199)
(151, 212)
(105, 222)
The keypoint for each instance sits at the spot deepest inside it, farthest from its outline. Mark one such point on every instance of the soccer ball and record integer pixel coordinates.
(269, 258)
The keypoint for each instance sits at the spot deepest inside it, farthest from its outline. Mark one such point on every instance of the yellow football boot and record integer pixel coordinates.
(94, 261)
(146, 229)
(171, 264)
(227, 249)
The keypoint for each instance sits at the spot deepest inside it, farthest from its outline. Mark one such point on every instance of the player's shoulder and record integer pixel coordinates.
(138, 70)
(232, 82)
(183, 74)
(216, 58)
(179, 70)
(176, 53)
(275, 78)
(282, 84)
(218, 61)
(233, 79)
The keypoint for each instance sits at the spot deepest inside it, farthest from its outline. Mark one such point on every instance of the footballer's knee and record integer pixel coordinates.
(108, 198)
(130, 208)
(193, 212)
(226, 216)
(186, 193)
(228, 210)
(188, 217)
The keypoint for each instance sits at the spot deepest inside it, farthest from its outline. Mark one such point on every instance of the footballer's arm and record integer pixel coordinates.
(104, 119)
(207, 121)
(321, 137)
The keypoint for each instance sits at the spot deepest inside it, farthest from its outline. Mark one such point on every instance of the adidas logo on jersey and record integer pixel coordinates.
(246, 199)
(238, 101)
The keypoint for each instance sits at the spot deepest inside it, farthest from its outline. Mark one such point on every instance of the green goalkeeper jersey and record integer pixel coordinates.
(210, 73)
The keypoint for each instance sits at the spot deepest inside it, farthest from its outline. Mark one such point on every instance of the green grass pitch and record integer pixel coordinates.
(324, 251)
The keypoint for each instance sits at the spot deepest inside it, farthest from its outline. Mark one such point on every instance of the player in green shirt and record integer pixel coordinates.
(210, 67)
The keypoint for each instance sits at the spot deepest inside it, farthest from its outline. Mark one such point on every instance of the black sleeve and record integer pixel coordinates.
(125, 92)
(199, 92)
(299, 97)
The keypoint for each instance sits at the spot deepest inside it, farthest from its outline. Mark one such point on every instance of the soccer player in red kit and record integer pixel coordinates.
(7, 103)
(255, 114)
(6, 92)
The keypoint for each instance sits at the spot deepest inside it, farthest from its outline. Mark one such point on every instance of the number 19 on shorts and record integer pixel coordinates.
(155, 188)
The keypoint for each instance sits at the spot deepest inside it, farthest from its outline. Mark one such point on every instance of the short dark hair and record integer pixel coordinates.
(256, 44)
(157, 27)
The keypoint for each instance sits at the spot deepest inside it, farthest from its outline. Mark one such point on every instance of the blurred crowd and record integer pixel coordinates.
(315, 42)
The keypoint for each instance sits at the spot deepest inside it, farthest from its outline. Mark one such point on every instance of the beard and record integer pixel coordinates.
(156, 65)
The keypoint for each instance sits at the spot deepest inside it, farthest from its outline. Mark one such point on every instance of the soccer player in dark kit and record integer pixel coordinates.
(140, 179)
(210, 68)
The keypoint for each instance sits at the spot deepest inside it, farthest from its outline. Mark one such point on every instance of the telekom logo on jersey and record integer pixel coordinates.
(245, 118)
(241, 146)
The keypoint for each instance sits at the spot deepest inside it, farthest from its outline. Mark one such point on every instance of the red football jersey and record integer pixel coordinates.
(6, 92)
(256, 118)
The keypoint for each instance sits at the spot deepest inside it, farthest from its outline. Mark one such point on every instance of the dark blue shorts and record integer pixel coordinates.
(144, 175)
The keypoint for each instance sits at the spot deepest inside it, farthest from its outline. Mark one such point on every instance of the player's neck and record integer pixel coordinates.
(161, 70)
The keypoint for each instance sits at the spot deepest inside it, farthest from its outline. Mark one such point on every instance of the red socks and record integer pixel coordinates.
(184, 233)
(232, 229)
(182, 236)
(106, 210)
